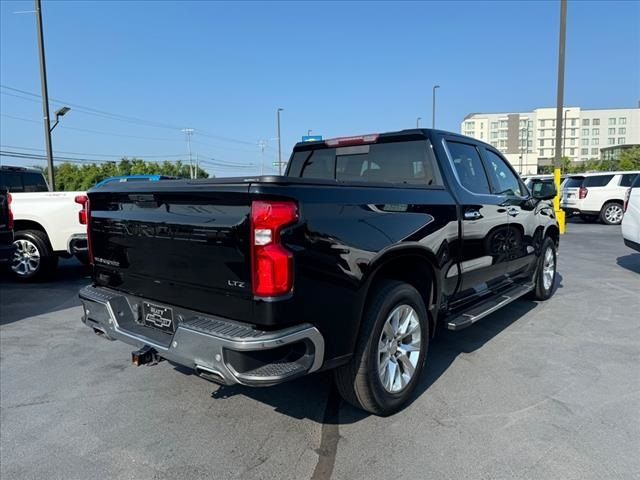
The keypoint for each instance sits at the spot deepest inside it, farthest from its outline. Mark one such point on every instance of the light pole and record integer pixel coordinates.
(564, 132)
(418, 122)
(279, 143)
(433, 106)
(309, 132)
(557, 161)
(45, 95)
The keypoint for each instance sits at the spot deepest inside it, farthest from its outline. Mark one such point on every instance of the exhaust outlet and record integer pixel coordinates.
(209, 374)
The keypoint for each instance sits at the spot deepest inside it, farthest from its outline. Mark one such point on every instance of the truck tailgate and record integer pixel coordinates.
(184, 246)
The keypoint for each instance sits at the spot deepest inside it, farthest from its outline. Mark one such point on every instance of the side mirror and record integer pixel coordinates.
(542, 190)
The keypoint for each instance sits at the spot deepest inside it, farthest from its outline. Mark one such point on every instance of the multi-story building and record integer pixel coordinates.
(527, 139)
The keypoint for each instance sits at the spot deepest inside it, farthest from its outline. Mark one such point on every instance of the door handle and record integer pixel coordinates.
(472, 215)
(513, 211)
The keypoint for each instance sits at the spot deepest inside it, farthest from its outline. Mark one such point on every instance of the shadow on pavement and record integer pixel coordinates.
(19, 300)
(630, 262)
(294, 398)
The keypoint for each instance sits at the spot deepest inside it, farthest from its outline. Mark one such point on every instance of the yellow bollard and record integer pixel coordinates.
(560, 216)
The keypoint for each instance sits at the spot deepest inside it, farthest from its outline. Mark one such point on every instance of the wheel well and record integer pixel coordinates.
(554, 233)
(614, 200)
(413, 269)
(27, 225)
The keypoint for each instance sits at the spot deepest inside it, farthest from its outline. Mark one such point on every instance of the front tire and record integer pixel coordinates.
(390, 353)
(33, 258)
(546, 271)
(612, 213)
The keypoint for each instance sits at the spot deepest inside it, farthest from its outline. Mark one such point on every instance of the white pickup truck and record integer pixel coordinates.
(47, 225)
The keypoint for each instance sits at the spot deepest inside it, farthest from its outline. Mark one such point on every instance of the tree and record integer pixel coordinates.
(629, 159)
(74, 177)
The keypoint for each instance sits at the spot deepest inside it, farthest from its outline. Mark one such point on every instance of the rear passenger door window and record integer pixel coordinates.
(469, 169)
(504, 181)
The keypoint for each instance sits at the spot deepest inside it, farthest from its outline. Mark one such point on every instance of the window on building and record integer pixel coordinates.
(541, 142)
(471, 125)
(585, 131)
(530, 144)
(553, 142)
(541, 152)
(622, 131)
(612, 121)
(494, 134)
(595, 122)
(503, 134)
(584, 151)
(495, 144)
(595, 141)
(573, 132)
(594, 151)
(572, 141)
(541, 133)
(573, 122)
(622, 140)
(611, 141)
(572, 151)
(612, 131)
(585, 122)
(494, 125)
(584, 141)
(553, 123)
(504, 124)
(595, 131)
(541, 123)
(622, 121)
(503, 144)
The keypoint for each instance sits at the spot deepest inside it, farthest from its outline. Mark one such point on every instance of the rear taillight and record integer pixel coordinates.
(272, 264)
(84, 217)
(82, 214)
(9, 212)
(626, 199)
(582, 193)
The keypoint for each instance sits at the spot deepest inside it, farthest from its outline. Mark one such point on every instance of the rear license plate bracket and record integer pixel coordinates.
(158, 316)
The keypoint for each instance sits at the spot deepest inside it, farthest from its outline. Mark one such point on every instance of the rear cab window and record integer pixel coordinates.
(406, 163)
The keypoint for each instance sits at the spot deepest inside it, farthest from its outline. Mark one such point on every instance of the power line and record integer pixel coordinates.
(179, 155)
(126, 118)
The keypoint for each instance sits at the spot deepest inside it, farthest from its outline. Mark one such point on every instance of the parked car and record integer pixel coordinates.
(47, 225)
(595, 196)
(631, 219)
(6, 227)
(351, 262)
(134, 178)
(549, 179)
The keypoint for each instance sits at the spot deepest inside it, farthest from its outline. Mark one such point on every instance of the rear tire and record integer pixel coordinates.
(546, 271)
(33, 258)
(612, 213)
(390, 352)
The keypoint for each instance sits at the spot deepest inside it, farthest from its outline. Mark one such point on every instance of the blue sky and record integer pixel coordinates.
(336, 68)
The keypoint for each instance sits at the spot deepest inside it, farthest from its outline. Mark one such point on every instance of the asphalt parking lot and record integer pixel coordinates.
(536, 391)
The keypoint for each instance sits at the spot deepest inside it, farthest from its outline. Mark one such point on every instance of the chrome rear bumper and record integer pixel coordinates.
(214, 347)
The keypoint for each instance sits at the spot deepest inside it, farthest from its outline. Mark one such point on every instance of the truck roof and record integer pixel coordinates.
(10, 168)
(400, 135)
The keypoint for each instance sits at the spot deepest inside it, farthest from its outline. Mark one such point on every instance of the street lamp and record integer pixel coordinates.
(279, 143)
(59, 113)
(309, 132)
(418, 122)
(433, 112)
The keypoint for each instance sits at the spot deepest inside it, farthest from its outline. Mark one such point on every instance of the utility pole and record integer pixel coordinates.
(557, 161)
(309, 132)
(279, 143)
(433, 107)
(188, 132)
(45, 96)
(418, 122)
(262, 144)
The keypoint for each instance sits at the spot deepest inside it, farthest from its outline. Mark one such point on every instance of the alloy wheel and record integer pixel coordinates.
(399, 348)
(548, 268)
(613, 214)
(26, 258)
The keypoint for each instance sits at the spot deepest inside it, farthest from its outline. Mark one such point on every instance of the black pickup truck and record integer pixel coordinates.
(352, 261)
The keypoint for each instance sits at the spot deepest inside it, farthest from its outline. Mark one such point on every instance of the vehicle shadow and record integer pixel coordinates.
(297, 397)
(630, 262)
(58, 292)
